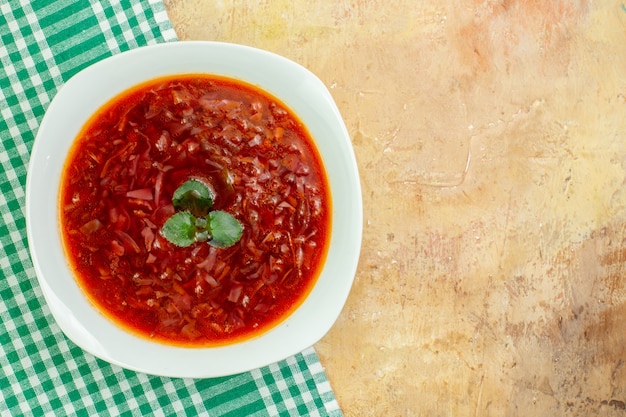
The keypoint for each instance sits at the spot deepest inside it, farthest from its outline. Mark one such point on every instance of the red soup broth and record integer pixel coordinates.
(116, 193)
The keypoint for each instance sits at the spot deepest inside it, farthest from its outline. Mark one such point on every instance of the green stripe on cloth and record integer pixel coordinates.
(42, 373)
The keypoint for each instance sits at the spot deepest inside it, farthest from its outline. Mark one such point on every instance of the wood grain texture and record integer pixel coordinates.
(491, 143)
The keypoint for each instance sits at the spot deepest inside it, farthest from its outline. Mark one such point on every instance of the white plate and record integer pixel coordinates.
(87, 91)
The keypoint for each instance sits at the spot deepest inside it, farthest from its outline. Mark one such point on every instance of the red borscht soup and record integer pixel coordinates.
(261, 166)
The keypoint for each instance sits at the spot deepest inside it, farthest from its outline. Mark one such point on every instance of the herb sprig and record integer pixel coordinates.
(196, 222)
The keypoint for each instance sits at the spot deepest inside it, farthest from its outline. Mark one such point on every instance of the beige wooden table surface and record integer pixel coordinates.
(491, 142)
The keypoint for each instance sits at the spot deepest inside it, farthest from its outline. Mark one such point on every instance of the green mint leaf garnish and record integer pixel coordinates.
(195, 222)
(201, 223)
(180, 229)
(202, 235)
(225, 229)
(194, 197)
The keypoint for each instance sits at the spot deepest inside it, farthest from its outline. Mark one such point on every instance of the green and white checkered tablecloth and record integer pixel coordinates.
(42, 44)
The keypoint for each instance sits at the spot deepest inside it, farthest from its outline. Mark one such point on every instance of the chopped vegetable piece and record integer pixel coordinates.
(140, 194)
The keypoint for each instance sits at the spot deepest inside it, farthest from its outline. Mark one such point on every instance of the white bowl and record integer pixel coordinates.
(87, 91)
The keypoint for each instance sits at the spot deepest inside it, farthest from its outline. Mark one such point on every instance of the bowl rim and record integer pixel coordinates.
(83, 323)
